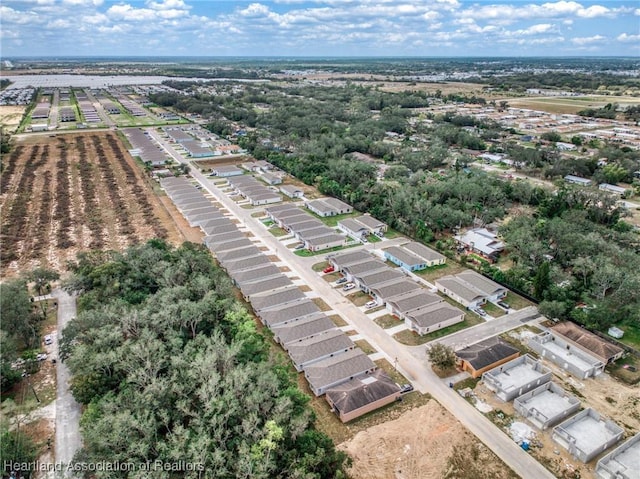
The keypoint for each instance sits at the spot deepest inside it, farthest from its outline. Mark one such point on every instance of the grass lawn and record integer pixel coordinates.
(359, 298)
(320, 266)
(306, 253)
(332, 221)
(631, 335)
(435, 272)
(321, 304)
(338, 321)
(373, 239)
(365, 346)
(258, 214)
(387, 321)
(493, 310)
(278, 231)
(331, 277)
(411, 338)
(516, 301)
(630, 377)
(391, 233)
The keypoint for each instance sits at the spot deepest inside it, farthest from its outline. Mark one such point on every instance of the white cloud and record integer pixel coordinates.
(58, 23)
(82, 3)
(588, 40)
(625, 38)
(558, 9)
(9, 15)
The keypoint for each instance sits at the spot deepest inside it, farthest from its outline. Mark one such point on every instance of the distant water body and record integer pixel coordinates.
(99, 81)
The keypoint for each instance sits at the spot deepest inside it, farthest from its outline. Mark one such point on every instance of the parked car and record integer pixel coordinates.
(481, 312)
(341, 281)
(48, 339)
(41, 356)
(405, 388)
(329, 269)
(348, 286)
(504, 305)
(371, 304)
(300, 246)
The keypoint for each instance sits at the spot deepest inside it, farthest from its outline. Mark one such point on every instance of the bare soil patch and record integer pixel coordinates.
(11, 116)
(68, 193)
(425, 442)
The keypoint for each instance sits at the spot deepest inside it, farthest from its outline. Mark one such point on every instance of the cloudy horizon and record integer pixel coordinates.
(320, 28)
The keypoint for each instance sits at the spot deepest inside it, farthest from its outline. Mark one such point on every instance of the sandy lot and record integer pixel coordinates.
(10, 116)
(425, 442)
(61, 194)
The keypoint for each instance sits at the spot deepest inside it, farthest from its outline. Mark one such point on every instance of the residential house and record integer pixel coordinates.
(604, 350)
(289, 313)
(516, 377)
(291, 191)
(325, 242)
(622, 462)
(307, 327)
(331, 372)
(546, 405)
(577, 180)
(432, 318)
(485, 355)
(353, 228)
(322, 346)
(431, 257)
(225, 171)
(481, 241)
(361, 395)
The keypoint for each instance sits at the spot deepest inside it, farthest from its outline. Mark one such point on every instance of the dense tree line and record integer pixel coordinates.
(171, 368)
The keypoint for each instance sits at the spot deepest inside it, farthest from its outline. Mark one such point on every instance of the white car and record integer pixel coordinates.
(348, 287)
(371, 304)
(41, 356)
(48, 339)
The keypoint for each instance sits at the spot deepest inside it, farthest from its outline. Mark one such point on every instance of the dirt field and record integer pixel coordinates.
(66, 193)
(426, 442)
(10, 116)
(570, 105)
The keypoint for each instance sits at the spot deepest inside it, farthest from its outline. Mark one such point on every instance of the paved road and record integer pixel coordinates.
(68, 439)
(483, 331)
(410, 361)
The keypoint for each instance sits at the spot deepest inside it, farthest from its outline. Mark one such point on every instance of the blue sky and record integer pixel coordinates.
(320, 28)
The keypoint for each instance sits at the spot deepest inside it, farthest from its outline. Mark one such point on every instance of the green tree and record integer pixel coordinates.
(17, 313)
(441, 356)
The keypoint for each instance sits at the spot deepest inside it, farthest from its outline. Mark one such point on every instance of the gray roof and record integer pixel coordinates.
(460, 288)
(274, 209)
(290, 312)
(266, 284)
(294, 217)
(315, 232)
(359, 392)
(395, 288)
(333, 341)
(219, 219)
(287, 333)
(337, 204)
(372, 279)
(219, 237)
(310, 223)
(481, 239)
(267, 195)
(235, 254)
(258, 274)
(485, 285)
(432, 315)
(327, 239)
(192, 204)
(345, 259)
(291, 189)
(414, 300)
(223, 227)
(338, 369)
(404, 255)
(369, 265)
(486, 353)
(319, 205)
(369, 221)
(229, 244)
(247, 263)
(422, 251)
(353, 225)
(268, 300)
(227, 169)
